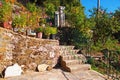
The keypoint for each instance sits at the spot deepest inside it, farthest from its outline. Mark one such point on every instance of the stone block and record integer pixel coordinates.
(49, 68)
(2, 50)
(5, 37)
(1, 56)
(42, 67)
(14, 70)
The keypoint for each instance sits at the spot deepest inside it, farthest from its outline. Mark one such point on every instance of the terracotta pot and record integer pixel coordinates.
(7, 25)
(39, 35)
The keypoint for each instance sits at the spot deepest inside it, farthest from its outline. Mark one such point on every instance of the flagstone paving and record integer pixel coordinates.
(57, 74)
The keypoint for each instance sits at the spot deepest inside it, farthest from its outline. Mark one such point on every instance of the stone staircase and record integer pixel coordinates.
(70, 61)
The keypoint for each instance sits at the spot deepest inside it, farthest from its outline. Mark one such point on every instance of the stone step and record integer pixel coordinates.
(66, 47)
(73, 62)
(72, 57)
(70, 62)
(68, 52)
(78, 67)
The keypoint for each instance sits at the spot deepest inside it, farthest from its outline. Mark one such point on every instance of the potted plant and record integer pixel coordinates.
(50, 31)
(39, 32)
(53, 32)
(47, 31)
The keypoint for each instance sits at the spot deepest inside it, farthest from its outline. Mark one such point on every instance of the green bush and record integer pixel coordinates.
(40, 29)
(20, 21)
(50, 30)
(53, 30)
(31, 7)
(90, 60)
(5, 12)
(47, 31)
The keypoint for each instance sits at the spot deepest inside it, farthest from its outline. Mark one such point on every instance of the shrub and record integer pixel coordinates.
(90, 60)
(47, 31)
(20, 20)
(53, 30)
(5, 12)
(40, 29)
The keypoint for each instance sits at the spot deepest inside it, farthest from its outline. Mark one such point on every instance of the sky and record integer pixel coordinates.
(110, 5)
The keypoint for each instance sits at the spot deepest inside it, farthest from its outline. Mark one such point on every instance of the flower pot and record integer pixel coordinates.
(7, 25)
(39, 35)
(52, 36)
(47, 37)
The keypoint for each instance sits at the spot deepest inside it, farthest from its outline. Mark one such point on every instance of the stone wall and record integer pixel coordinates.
(27, 51)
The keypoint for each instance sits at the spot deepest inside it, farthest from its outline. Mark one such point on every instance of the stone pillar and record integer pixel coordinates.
(57, 18)
(61, 16)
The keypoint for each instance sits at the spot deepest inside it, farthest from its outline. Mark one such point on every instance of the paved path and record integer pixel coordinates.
(57, 74)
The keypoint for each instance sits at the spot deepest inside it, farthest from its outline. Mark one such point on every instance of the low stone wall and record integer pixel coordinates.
(27, 51)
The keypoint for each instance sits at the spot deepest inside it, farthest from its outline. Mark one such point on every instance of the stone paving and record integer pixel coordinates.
(57, 74)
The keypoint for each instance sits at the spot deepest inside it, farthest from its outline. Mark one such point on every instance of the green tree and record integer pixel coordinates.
(75, 13)
(32, 7)
(105, 26)
(50, 9)
(34, 15)
(116, 15)
(54, 2)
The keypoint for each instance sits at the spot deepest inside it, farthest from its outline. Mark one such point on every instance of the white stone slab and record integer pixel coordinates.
(14, 70)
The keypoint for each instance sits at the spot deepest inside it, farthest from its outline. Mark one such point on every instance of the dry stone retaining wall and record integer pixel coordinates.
(27, 51)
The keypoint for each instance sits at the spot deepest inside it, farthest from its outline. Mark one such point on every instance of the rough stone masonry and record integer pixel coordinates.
(27, 51)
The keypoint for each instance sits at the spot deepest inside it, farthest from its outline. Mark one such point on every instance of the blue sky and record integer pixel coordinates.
(110, 5)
